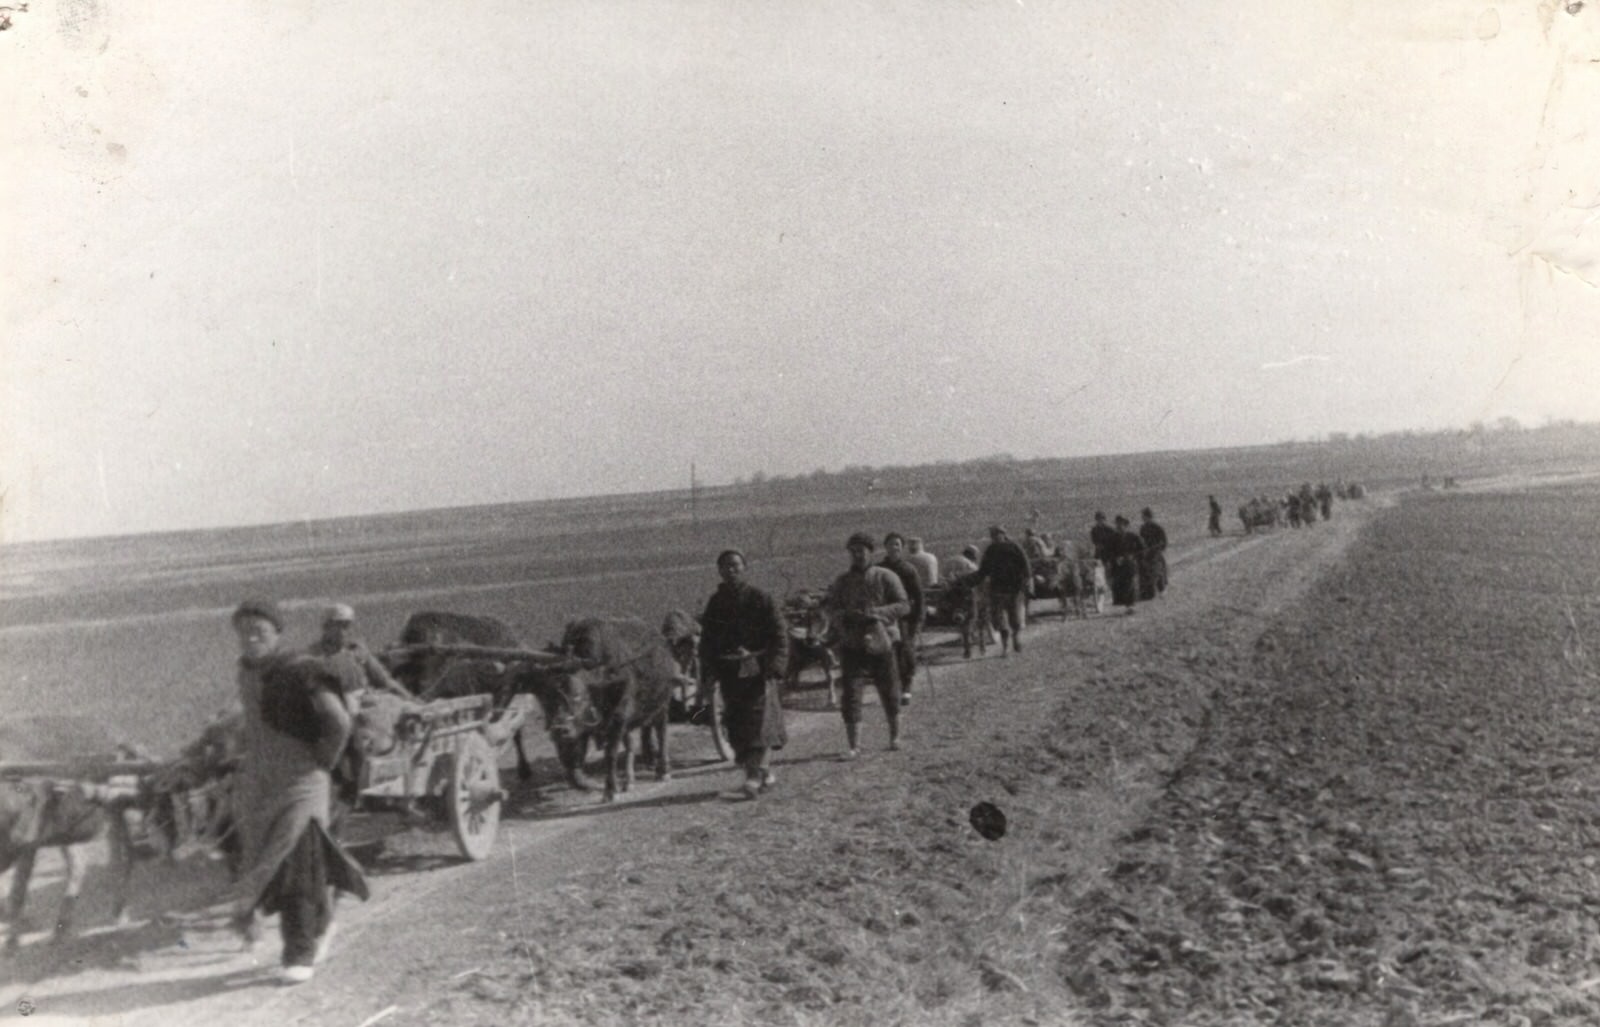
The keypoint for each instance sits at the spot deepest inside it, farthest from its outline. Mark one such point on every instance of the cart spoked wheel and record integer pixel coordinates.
(473, 797)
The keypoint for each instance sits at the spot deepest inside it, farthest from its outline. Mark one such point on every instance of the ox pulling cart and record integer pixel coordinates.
(63, 785)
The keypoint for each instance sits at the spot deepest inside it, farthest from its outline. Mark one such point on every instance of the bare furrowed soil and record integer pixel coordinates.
(1392, 817)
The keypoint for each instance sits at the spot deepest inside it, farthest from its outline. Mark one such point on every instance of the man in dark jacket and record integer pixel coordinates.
(1010, 576)
(1153, 562)
(905, 649)
(744, 648)
(1127, 553)
(1104, 539)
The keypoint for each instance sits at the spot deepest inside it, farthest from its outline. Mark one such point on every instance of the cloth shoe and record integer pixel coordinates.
(768, 779)
(751, 788)
(297, 974)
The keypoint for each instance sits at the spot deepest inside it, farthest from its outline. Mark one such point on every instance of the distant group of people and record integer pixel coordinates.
(1298, 508)
(876, 610)
(1135, 562)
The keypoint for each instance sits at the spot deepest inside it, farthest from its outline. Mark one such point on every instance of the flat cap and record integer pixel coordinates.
(263, 609)
(339, 613)
(860, 538)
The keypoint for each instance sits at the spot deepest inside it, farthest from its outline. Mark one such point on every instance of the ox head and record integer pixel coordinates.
(566, 694)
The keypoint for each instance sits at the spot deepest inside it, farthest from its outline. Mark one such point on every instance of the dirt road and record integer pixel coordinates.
(854, 889)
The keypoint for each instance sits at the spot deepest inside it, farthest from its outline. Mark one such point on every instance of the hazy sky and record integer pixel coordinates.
(300, 259)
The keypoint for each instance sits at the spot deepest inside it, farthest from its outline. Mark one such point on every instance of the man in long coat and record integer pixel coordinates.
(744, 648)
(294, 727)
(1126, 554)
(905, 647)
(1153, 562)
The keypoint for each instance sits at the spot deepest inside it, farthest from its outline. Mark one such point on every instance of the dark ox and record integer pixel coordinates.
(444, 676)
(622, 676)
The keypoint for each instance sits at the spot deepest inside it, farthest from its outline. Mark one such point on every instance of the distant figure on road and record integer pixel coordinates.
(1153, 563)
(1126, 552)
(905, 648)
(926, 563)
(744, 648)
(294, 725)
(864, 606)
(1325, 500)
(1215, 524)
(1010, 576)
(349, 658)
(1308, 504)
(1103, 537)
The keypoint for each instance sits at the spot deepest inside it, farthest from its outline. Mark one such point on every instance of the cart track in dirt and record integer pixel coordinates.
(433, 923)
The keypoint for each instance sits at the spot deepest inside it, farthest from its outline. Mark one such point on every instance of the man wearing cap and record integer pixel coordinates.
(905, 647)
(293, 726)
(1010, 576)
(349, 658)
(864, 606)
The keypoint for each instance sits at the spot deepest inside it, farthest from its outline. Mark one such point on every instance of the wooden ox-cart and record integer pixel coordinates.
(443, 759)
(694, 700)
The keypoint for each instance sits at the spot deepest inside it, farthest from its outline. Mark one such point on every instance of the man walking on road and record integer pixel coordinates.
(865, 605)
(1153, 562)
(905, 648)
(1215, 524)
(744, 646)
(294, 725)
(1010, 576)
(1104, 538)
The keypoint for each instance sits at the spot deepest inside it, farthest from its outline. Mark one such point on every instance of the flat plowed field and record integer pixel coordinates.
(1393, 817)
